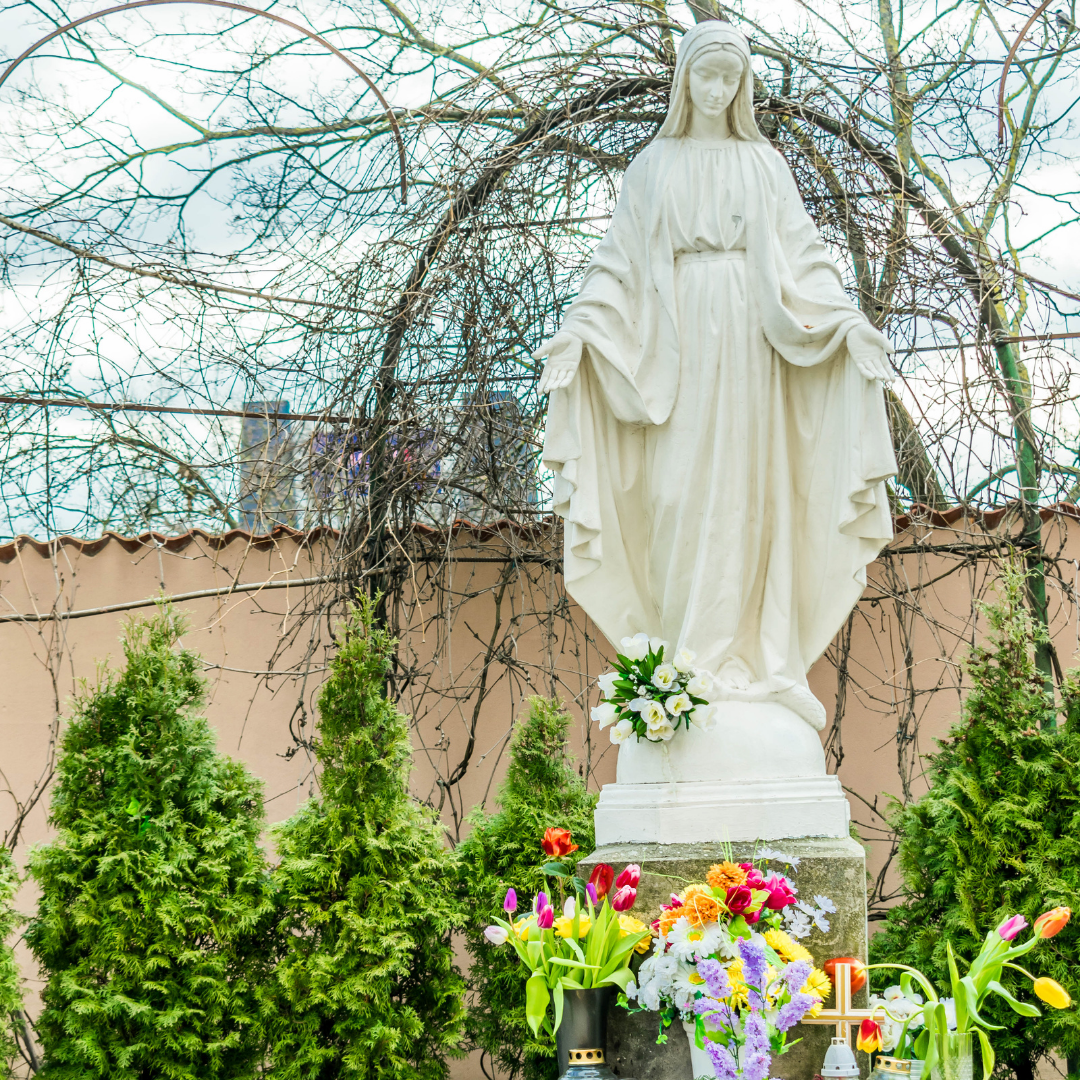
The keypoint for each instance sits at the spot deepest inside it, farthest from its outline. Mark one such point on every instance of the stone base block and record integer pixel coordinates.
(829, 866)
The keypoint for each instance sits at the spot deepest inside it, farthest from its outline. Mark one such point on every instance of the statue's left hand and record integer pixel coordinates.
(864, 347)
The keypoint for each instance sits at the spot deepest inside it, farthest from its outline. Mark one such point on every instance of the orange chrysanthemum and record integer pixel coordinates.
(726, 875)
(668, 920)
(699, 905)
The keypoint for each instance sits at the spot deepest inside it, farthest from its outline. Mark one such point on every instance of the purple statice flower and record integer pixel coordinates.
(757, 1054)
(716, 978)
(718, 1014)
(723, 1062)
(791, 1013)
(796, 974)
(753, 973)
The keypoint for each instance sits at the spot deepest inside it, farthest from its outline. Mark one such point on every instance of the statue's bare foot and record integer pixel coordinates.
(734, 674)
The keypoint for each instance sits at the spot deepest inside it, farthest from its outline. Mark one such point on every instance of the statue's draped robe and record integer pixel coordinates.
(719, 459)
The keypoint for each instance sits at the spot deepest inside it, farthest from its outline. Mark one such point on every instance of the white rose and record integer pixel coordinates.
(621, 731)
(607, 683)
(605, 713)
(636, 647)
(700, 685)
(663, 733)
(653, 714)
(656, 644)
(677, 704)
(664, 676)
(684, 660)
(704, 716)
(639, 704)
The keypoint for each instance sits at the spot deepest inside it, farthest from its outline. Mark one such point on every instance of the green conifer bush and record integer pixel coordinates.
(997, 834)
(366, 985)
(155, 893)
(542, 789)
(11, 1002)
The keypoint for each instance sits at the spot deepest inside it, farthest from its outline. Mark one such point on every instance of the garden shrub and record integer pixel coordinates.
(11, 1001)
(542, 788)
(366, 985)
(998, 833)
(155, 893)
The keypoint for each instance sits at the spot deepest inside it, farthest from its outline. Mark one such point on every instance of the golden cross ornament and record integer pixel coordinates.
(843, 1015)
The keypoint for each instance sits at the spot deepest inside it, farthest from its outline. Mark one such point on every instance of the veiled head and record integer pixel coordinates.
(712, 73)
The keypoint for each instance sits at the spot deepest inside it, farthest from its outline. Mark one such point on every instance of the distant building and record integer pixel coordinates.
(268, 467)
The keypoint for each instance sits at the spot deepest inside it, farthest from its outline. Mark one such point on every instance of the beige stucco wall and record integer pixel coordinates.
(265, 654)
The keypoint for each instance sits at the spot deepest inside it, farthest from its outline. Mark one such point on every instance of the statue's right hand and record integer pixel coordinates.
(563, 355)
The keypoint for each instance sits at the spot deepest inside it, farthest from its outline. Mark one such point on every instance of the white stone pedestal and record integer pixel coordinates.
(759, 774)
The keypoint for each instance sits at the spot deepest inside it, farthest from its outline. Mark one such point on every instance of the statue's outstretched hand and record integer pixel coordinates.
(864, 347)
(563, 354)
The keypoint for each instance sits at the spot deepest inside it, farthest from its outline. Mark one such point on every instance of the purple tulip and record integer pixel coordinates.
(545, 918)
(1011, 927)
(510, 903)
(541, 901)
(591, 890)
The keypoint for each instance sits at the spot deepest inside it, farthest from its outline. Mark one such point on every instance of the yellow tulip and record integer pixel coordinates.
(1053, 993)
(629, 925)
(564, 927)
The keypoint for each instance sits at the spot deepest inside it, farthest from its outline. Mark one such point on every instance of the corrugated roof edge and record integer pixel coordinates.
(917, 515)
(217, 541)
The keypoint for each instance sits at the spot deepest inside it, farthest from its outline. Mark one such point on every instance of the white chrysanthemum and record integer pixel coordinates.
(607, 682)
(677, 704)
(654, 981)
(684, 660)
(665, 676)
(686, 984)
(622, 731)
(692, 943)
(636, 647)
(605, 713)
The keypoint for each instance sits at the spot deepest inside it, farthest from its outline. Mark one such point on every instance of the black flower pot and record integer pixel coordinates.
(584, 1022)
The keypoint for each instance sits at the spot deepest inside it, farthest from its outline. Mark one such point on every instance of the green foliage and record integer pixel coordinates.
(366, 986)
(10, 981)
(542, 789)
(997, 834)
(155, 892)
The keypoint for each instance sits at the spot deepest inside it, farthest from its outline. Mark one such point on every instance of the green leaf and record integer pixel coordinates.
(537, 996)
(988, 1057)
(132, 807)
(555, 869)
(1021, 1007)
(557, 998)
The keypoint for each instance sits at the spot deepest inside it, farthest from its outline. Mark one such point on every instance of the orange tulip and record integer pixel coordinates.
(1053, 993)
(869, 1040)
(1052, 922)
(556, 843)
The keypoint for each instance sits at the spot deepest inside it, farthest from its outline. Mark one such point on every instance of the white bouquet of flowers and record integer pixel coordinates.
(649, 696)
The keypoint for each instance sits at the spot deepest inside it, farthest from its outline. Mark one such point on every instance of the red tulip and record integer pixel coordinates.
(869, 1040)
(556, 843)
(858, 970)
(600, 879)
(545, 920)
(739, 898)
(1052, 922)
(780, 893)
(624, 898)
(630, 876)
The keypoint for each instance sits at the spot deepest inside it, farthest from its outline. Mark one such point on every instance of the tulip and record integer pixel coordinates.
(540, 901)
(569, 907)
(557, 843)
(630, 876)
(754, 878)
(739, 898)
(624, 898)
(590, 889)
(1011, 927)
(780, 893)
(1052, 922)
(858, 970)
(601, 880)
(497, 935)
(869, 1040)
(510, 903)
(1053, 993)
(545, 917)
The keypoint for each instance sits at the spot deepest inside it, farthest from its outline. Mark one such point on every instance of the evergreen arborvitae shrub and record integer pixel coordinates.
(542, 789)
(997, 834)
(155, 893)
(11, 1002)
(366, 985)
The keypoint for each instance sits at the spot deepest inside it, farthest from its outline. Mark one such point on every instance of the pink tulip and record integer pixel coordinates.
(624, 898)
(545, 919)
(630, 876)
(510, 903)
(1011, 927)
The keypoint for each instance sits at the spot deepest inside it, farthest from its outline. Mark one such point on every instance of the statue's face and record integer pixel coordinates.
(714, 81)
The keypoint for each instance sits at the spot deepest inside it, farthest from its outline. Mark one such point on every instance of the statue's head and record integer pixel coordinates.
(712, 75)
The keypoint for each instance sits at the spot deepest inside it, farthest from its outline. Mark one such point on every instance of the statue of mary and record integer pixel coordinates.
(716, 423)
